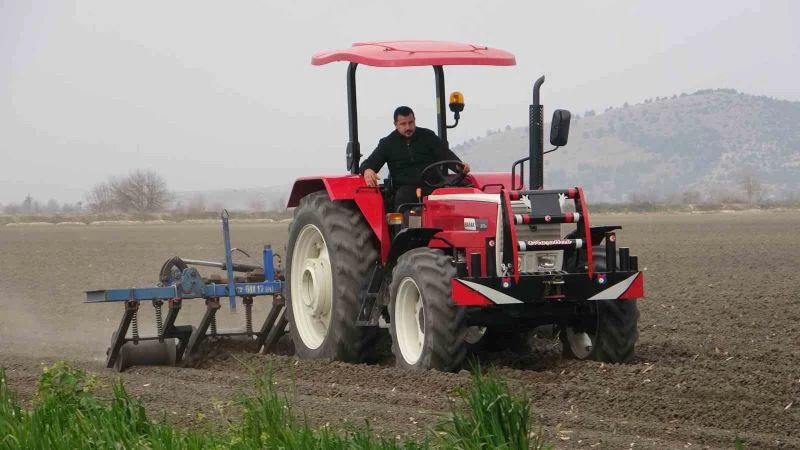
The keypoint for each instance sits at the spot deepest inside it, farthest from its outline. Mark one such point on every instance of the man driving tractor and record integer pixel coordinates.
(407, 150)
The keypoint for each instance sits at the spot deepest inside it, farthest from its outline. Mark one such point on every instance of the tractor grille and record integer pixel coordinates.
(528, 260)
(546, 231)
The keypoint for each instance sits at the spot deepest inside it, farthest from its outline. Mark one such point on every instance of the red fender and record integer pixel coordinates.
(349, 187)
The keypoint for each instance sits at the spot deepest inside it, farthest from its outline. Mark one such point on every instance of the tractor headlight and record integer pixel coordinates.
(546, 261)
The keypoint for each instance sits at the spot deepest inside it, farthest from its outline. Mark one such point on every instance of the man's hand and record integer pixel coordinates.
(464, 167)
(371, 178)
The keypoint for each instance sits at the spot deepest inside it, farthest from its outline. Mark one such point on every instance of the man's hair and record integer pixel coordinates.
(402, 111)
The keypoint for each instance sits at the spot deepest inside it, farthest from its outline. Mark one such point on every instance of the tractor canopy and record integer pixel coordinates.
(417, 53)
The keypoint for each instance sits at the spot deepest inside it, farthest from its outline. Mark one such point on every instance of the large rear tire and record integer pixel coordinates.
(329, 255)
(608, 332)
(428, 330)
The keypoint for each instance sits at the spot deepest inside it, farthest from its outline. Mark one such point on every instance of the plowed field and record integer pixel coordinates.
(718, 354)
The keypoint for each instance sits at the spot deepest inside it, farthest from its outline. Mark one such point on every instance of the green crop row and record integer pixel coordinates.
(69, 413)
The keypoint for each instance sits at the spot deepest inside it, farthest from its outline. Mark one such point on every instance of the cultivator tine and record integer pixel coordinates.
(182, 332)
(212, 306)
(276, 332)
(174, 307)
(273, 326)
(131, 307)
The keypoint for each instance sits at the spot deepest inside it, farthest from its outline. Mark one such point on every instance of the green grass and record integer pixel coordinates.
(495, 419)
(69, 412)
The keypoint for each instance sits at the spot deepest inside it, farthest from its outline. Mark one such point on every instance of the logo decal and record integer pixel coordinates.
(472, 224)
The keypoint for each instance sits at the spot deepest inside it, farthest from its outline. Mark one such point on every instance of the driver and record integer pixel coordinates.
(408, 149)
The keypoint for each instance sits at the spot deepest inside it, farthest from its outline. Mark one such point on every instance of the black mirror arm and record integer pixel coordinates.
(551, 150)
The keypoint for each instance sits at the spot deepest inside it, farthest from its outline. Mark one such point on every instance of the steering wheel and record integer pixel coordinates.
(447, 180)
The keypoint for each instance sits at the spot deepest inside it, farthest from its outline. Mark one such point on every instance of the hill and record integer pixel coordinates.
(714, 145)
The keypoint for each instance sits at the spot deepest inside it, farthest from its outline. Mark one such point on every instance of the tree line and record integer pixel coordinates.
(140, 191)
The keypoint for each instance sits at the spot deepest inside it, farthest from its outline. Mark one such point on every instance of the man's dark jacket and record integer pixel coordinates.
(407, 157)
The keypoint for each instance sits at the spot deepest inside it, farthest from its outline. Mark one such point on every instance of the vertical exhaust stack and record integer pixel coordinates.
(536, 139)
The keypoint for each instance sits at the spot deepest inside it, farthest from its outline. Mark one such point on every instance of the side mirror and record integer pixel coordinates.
(559, 127)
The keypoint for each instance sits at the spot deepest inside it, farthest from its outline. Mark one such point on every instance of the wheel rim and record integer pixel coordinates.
(311, 286)
(409, 318)
(580, 342)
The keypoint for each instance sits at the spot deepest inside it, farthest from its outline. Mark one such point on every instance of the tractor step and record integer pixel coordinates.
(370, 313)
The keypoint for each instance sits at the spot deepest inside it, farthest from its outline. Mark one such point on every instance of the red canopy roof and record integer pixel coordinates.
(417, 53)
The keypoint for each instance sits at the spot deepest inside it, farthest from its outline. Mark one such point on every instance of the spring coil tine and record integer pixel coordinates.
(248, 317)
(214, 325)
(159, 319)
(135, 326)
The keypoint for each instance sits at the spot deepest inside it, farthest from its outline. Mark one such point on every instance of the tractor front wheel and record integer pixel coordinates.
(611, 338)
(608, 331)
(428, 330)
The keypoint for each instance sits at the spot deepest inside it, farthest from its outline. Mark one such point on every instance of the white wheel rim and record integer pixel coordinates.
(409, 320)
(580, 343)
(311, 286)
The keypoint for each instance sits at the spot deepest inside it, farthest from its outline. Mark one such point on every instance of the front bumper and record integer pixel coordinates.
(547, 288)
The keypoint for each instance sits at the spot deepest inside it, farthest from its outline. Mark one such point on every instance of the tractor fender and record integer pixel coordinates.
(349, 187)
(409, 239)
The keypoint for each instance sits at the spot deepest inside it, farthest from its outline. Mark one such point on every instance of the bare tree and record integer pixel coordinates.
(29, 205)
(140, 191)
(99, 198)
(750, 184)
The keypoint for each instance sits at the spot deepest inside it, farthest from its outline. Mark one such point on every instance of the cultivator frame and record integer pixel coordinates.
(180, 281)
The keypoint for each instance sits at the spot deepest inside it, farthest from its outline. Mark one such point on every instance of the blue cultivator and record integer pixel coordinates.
(180, 281)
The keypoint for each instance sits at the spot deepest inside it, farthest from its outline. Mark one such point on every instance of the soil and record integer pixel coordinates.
(717, 356)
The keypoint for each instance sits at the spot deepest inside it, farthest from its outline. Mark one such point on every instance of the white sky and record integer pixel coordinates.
(223, 95)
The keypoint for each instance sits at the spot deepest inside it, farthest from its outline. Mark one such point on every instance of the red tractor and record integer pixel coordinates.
(466, 266)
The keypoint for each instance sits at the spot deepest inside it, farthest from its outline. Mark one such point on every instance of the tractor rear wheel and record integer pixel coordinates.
(428, 330)
(329, 255)
(608, 332)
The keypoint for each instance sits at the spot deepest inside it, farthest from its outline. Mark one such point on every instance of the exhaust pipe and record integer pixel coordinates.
(536, 139)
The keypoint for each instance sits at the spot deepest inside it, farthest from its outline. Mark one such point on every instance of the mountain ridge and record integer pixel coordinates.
(705, 146)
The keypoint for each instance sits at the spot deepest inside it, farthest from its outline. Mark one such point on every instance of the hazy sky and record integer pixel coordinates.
(222, 94)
